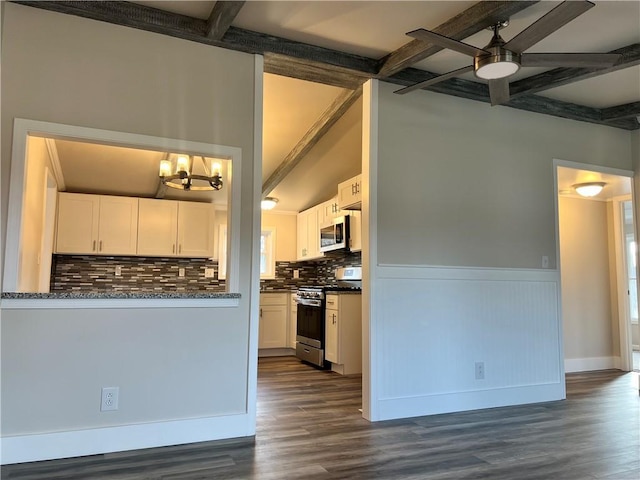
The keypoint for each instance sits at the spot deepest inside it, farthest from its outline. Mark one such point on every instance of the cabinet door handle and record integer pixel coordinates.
(261, 312)
(173, 248)
(94, 246)
(100, 248)
(180, 249)
(334, 318)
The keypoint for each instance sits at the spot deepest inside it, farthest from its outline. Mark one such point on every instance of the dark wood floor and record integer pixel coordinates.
(309, 427)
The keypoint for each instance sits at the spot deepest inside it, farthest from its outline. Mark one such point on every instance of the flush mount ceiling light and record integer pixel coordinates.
(268, 203)
(178, 172)
(589, 189)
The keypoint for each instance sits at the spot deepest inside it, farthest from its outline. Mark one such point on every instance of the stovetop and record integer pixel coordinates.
(329, 288)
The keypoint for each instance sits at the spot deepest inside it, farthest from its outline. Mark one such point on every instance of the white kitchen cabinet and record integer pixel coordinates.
(157, 227)
(308, 237)
(195, 229)
(96, 224)
(329, 210)
(175, 228)
(274, 320)
(343, 333)
(350, 194)
(355, 231)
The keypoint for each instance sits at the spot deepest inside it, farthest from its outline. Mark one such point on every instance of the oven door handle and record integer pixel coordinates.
(309, 303)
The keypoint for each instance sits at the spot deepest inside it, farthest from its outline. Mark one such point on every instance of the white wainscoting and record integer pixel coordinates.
(30, 448)
(433, 324)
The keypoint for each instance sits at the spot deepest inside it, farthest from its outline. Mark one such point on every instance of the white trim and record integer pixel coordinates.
(75, 303)
(370, 369)
(30, 448)
(23, 128)
(588, 364)
(254, 300)
(404, 407)
(593, 168)
(466, 273)
(55, 163)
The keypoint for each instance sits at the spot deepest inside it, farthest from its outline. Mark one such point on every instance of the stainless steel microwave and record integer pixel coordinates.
(334, 235)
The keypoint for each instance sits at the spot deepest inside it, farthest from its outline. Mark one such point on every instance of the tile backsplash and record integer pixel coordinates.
(90, 273)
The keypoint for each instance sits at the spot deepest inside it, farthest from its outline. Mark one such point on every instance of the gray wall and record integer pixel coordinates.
(475, 183)
(70, 70)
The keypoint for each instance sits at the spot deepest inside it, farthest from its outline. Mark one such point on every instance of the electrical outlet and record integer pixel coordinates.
(479, 370)
(209, 272)
(545, 261)
(296, 274)
(181, 272)
(118, 270)
(109, 398)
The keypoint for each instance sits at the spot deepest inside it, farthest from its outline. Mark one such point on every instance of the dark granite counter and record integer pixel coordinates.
(117, 295)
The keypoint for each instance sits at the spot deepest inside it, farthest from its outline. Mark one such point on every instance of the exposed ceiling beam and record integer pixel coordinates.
(338, 66)
(329, 117)
(531, 103)
(621, 111)
(313, 71)
(473, 20)
(222, 15)
(563, 76)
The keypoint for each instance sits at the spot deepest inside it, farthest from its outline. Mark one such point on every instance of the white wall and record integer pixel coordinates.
(69, 70)
(286, 234)
(586, 299)
(33, 215)
(464, 212)
(635, 153)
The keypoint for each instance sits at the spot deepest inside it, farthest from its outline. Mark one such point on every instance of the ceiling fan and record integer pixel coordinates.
(499, 59)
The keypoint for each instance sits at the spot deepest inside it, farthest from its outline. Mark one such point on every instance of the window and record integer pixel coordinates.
(267, 252)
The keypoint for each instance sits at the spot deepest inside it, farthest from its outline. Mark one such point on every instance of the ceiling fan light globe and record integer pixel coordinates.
(268, 203)
(500, 64)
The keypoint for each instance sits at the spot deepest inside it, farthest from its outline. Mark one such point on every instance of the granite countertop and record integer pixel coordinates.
(119, 295)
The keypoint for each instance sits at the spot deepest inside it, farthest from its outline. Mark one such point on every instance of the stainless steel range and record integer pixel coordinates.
(311, 311)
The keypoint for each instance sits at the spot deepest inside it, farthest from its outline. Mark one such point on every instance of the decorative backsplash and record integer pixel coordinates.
(87, 273)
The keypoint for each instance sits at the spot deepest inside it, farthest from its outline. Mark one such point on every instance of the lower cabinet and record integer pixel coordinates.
(343, 333)
(274, 320)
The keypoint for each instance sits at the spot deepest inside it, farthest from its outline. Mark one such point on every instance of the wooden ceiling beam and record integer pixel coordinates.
(627, 110)
(328, 118)
(563, 76)
(532, 103)
(222, 15)
(343, 69)
(473, 20)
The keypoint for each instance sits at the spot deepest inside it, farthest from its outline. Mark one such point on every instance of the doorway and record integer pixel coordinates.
(597, 252)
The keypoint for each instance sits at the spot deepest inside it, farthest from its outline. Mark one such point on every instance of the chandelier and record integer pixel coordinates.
(178, 172)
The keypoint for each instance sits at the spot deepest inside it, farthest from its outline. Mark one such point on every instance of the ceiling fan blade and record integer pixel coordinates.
(446, 42)
(569, 59)
(499, 91)
(438, 79)
(546, 25)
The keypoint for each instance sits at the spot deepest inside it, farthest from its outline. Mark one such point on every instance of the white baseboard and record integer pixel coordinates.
(572, 365)
(472, 400)
(47, 446)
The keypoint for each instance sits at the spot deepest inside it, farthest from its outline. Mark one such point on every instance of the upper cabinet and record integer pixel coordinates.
(170, 228)
(110, 225)
(350, 194)
(308, 238)
(97, 224)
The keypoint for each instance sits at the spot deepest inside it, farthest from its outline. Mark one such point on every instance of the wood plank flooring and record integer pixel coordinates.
(309, 427)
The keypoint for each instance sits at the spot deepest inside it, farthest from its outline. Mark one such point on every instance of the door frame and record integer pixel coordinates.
(624, 315)
(624, 327)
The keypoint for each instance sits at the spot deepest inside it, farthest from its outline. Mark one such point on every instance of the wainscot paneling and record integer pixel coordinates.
(435, 324)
